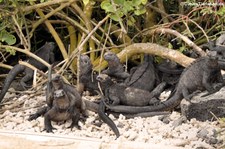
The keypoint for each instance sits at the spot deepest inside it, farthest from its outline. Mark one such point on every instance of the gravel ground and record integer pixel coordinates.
(158, 129)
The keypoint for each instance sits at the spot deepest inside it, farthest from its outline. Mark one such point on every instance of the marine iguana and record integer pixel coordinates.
(122, 94)
(143, 76)
(197, 76)
(115, 68)
(45, 52)
(87, 78)
(169, 72)
(63, 103)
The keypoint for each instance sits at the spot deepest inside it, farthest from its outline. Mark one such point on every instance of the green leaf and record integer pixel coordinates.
(7, 37)
(128, 7)
(115, 17)
(85, 2)
(140, 11)
(136, 2)
(11, 51)
(107, 6)
(119, 2)
(221, 11)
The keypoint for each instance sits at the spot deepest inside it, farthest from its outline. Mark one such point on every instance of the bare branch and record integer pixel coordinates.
(177, 34)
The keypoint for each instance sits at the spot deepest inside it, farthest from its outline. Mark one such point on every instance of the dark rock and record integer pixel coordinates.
(205, 108)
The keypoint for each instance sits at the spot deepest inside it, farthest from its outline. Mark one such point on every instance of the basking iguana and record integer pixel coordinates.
(143, 76)
(169, 72)
(115, 68)
(120, 94)
(197, 76)
(63, 103)
(87, 78)
(45, 52)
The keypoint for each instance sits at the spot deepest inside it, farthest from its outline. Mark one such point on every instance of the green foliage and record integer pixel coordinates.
(7, 37)
(120, 8)
(11, 51)
(221, 11)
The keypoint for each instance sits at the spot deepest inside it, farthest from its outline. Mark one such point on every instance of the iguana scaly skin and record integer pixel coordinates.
(63, 103)
(45, 52)
(197, 76)
(144, 76)
(105, 118)
(87, 78)
(115, 68)
(119, 94)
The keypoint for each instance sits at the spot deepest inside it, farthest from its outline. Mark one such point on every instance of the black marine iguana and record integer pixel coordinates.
(115, 68)
(143, 76)
(87, 78)
(45, 52)
(169, 72)
(122, 94)
(197, 76)
(63, 103)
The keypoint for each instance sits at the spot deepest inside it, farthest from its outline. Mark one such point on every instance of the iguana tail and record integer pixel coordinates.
(106, 119)
(167, 105)
(10, 77)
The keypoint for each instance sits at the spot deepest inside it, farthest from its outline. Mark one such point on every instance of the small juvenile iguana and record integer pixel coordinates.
(115, 68)
(45, 52)
(197, 76)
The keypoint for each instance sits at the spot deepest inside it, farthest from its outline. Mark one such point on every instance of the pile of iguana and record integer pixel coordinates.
(63, 103)
(45, 52)
(198, 76)
(120, 94)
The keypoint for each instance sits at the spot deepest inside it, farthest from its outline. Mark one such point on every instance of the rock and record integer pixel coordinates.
(165, 119)
(204, 108)
(202, 133)
(179, 121)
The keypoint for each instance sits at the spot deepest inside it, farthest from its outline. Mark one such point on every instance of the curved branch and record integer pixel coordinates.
(177, 34)
(153, 49)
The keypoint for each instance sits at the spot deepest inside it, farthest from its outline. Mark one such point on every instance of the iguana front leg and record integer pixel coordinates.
(28, 76)
(187, 95)
(114, 99)
(206, 81)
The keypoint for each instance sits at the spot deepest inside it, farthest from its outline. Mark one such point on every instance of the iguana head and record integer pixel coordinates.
(104, 80)
(57, 81)
(111, 57)
(85, 64)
